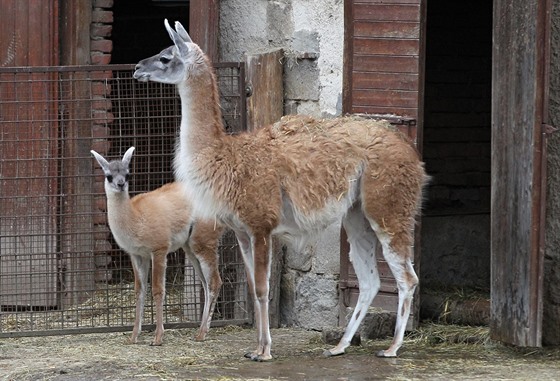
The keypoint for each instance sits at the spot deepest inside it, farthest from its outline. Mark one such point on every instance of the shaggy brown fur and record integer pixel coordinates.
(295, 178)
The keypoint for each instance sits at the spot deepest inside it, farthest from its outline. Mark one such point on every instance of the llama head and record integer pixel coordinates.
(116, 172)
(174, 63)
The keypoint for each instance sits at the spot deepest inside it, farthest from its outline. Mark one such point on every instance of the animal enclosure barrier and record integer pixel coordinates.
(60, 269)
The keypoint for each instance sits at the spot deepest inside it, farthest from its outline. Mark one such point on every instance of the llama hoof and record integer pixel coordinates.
(331, 353)
(255, 357)
(383, 354)
(154, 344)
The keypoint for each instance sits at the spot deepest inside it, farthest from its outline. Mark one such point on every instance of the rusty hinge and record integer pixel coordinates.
(549, 129)
(404, 122)
(393, 119)
(344, 284)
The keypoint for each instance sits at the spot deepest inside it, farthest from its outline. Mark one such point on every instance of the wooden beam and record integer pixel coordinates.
(204, 17)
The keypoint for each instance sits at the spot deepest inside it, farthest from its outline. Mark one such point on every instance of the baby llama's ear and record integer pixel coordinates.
(101, 160)
(127, 156)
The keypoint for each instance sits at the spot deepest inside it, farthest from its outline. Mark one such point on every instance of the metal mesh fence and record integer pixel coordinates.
(60, 269)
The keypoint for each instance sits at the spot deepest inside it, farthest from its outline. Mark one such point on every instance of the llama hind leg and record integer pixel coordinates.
(362, 254)
(211, 282)
(159, 265)
(401, 266)
(262, 253)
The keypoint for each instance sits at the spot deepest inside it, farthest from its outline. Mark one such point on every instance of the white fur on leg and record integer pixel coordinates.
(141, 266)
(407, 280)
(362, 254)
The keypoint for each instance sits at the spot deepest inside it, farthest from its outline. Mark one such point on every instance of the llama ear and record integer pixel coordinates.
(101, 160)
(127, 156)
(179, 42)
(182, 32)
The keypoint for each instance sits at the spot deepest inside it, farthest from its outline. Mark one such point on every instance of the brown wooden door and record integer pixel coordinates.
(383, 77)
(519, 103)
(28, 37)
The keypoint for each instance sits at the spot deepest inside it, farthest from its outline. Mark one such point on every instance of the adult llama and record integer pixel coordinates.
(294, 178)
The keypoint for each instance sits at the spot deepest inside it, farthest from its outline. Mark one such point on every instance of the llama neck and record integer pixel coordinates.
(119, 208)
(201, 118)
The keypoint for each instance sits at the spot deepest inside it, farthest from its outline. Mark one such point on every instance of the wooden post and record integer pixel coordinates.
(264, 82)
(203, 26)
(265, 106)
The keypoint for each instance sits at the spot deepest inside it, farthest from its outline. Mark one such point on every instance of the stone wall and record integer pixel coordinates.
(311, 35)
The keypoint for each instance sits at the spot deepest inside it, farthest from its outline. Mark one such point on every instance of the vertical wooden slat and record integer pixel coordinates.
(30, 37)
(264, 80)
(76, 127)
(518, 88)
(204, 16)
(265, 106)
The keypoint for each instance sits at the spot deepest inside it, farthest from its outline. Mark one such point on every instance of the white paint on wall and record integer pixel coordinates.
(248, 26)
(327, 19)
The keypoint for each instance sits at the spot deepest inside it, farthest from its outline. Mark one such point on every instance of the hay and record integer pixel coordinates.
(110, 305)
(298, 355)
(434, 334)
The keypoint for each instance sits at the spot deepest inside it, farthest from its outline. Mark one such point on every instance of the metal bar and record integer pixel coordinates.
(76, 262)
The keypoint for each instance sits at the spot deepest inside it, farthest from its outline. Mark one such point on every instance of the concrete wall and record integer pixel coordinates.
(311, 35)
(551, 310)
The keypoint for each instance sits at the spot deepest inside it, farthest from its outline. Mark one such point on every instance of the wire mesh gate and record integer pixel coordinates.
(60, 270)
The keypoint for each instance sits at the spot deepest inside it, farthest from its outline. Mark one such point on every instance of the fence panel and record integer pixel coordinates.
(60, 269)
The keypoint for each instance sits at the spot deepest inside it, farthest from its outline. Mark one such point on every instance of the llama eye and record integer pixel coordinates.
(110, 178)
(164, 60)
(126, 177)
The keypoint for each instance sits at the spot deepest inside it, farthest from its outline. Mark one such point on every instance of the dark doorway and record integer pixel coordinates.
(457, 151)
(138, 30)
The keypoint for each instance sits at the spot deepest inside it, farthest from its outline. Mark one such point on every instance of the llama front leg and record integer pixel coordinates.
(256, 256)
(159, 264)
(247, 250)
(140, 266)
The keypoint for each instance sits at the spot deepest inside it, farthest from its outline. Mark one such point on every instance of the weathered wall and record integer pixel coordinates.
(551, 327)
(311, 35)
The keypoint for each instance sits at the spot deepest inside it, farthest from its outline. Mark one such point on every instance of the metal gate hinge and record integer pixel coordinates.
(549, 129)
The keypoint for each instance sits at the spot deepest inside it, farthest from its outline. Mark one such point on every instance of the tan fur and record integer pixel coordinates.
(153, 224)
(295, 178)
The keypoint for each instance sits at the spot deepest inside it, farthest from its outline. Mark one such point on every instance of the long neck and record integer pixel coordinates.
(119, 208)
(201, 117)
